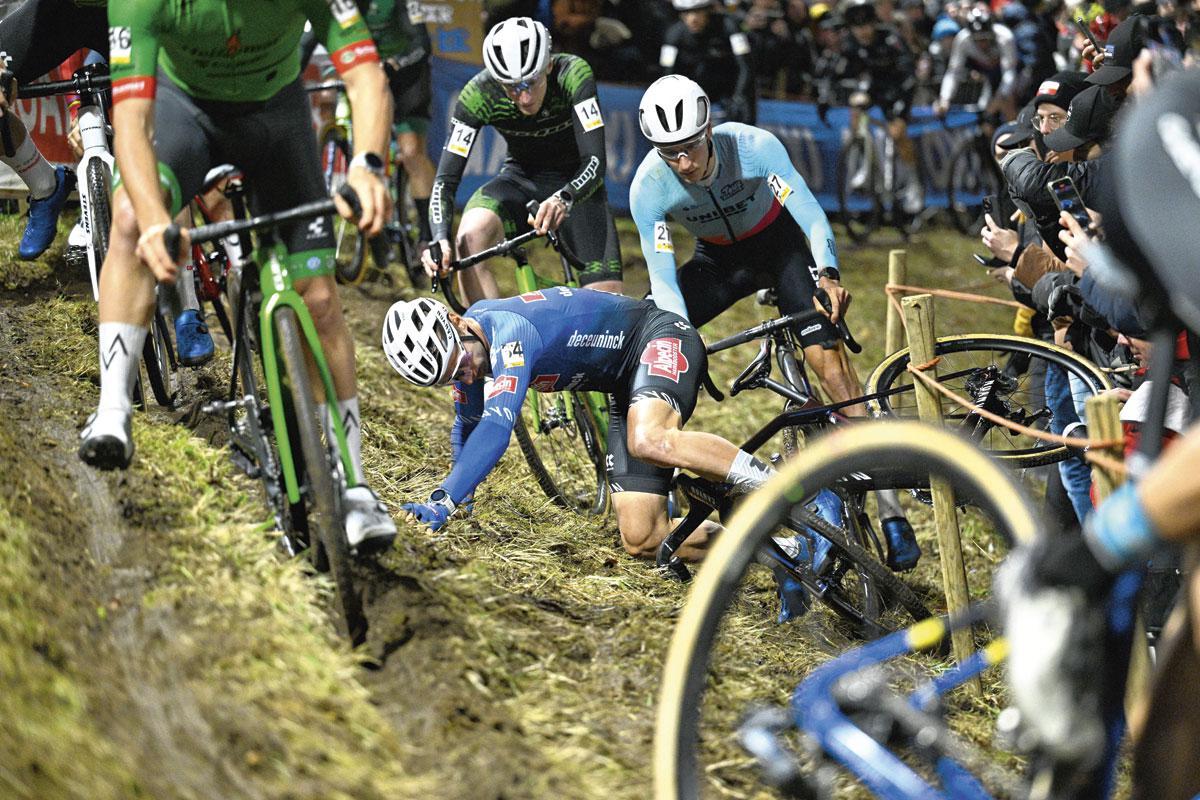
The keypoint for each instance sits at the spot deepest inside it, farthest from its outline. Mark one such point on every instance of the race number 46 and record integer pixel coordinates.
(120, 45)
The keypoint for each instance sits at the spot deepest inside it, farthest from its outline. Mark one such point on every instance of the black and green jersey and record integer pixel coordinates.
(396, 35)
(565, 136)
(227, 50)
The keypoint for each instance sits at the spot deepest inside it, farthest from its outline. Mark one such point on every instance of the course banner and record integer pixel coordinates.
(813, 145)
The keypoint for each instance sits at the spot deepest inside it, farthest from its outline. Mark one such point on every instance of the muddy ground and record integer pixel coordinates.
(153, 643)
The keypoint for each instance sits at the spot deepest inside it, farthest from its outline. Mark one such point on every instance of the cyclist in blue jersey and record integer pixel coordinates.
(729, 186)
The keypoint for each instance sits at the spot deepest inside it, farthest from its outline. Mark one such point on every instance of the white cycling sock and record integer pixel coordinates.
(748, 473)
(348, 411)
(186, 285)
(889, 504)
(120, 351)
(33, 168)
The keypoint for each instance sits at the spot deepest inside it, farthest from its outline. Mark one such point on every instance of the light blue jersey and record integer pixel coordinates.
(754, 180)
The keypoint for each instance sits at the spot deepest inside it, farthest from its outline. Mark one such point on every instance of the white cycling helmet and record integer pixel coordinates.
(691, 5)
(516, 50)
(674, 109)
(419, 341)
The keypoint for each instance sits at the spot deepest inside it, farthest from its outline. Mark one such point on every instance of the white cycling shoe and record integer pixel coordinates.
(369, 527)
(106, 441)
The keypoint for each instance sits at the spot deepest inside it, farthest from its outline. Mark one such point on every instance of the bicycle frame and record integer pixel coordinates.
(93, 131)
(529, 281)
(278, 292)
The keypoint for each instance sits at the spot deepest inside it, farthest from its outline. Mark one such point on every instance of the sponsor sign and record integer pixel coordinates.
(504, 384)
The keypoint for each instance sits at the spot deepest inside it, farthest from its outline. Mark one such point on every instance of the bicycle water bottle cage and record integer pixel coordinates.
(755, 375)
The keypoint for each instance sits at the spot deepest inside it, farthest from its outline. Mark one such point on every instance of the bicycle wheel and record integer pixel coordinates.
(693, 735)
(858, 201)
(997, 371)
(99, 178)
(973, 175)
(557, 435)
(158, 358)
(349, 243)
(326, 526)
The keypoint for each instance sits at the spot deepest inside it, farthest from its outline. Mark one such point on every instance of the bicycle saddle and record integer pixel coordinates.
(756, 372)
(218, 174)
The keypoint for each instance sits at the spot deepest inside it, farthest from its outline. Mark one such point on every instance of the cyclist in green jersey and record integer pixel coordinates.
(216, 81)
(403, 45)
(546, 109)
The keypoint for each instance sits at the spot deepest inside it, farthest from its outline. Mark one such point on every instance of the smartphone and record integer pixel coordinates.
(1068, 199)
(1087, 32)
(983, 262)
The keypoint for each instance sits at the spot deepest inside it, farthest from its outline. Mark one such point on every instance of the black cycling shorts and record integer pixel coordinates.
(589, 229)
(412, 94)
(38, 35)
(273, 144)
(777, 257)
(671, 361)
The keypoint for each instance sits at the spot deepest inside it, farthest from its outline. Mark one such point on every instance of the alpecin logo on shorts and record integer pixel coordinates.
(544, 383)
(663, 358)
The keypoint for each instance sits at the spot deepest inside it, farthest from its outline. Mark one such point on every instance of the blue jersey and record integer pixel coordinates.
(754, 180)
(550, 341)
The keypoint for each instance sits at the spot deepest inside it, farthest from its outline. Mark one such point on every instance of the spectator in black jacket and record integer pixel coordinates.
(710, 48)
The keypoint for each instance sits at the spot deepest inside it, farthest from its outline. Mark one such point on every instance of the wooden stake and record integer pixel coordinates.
(897, 276)
(918, 312)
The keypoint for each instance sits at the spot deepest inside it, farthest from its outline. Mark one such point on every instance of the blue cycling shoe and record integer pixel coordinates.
(794, 599)
(42, 224)
(903, 552)
(192, 341)
(829, 506)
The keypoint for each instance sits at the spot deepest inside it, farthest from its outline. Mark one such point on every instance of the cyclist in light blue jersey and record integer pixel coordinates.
(730, 186)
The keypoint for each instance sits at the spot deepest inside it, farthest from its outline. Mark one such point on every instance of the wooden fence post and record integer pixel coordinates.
(918, 312)
(1104, 422)
(897, 275)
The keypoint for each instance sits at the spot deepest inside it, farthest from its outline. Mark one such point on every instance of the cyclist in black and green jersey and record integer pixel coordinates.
(216, 81)
(403, 46)
(546, 109)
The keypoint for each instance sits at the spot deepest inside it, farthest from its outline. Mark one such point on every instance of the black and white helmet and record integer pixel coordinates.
(674, 109)
(419, 341)
(691, 5)
(516, 50)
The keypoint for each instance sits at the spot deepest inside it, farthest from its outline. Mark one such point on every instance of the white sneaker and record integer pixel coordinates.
(369, 527)
(107, 439)
(912, 198)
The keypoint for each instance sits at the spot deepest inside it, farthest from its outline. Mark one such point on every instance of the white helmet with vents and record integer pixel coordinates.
(674, 109)
(516, 50)
(419, 341)
(690, 5)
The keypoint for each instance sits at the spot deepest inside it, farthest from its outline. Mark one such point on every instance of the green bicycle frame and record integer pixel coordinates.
(530, 281)
(278, 292)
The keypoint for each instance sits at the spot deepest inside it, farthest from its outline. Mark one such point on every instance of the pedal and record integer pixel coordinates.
(226, 407)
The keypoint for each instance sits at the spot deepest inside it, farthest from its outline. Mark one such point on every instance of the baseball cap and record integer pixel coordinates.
(1089, 119)
(1017, 133)
(1122, 47)
(1060, 88)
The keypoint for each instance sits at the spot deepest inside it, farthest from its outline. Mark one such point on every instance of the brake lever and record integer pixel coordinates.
(851, 344)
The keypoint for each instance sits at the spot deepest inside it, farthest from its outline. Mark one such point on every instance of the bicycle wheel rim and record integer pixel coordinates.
(862, 447)
(1016, 451)
(323, 506)
(561, 445)
(159, 361)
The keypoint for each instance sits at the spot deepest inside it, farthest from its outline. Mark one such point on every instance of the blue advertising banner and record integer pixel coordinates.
(812, 144)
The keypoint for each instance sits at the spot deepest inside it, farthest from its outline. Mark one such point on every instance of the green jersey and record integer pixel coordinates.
(227, 50)
(395, 34)
(565, 136)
